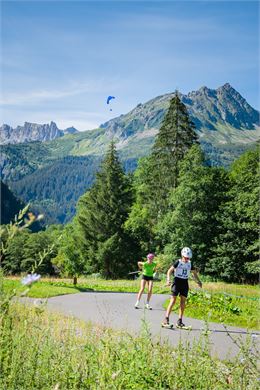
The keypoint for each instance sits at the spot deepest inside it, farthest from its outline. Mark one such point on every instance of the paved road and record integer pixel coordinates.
(116, 310)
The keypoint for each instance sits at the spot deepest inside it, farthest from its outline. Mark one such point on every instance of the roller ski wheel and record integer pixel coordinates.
(167, 326)
(184, 327)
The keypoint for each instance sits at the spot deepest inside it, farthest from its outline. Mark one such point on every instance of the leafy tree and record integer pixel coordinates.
(102, 213)
(70, 259)
(38, 248)
(237, 245)
(141, 222)
(191, 220)
(15, 252)
(27, 250)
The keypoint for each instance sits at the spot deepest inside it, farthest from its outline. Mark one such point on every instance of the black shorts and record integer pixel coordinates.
(144, 277)
(180, 287)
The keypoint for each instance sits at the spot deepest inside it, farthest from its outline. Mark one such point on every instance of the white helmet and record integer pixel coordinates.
(186, 252)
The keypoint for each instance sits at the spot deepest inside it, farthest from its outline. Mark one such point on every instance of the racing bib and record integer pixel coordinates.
(182, 270)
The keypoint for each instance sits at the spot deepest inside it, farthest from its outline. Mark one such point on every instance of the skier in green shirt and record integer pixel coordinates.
(148, 268)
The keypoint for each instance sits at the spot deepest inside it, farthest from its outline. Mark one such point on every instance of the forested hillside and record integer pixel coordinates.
(10, 205)
(55, 189)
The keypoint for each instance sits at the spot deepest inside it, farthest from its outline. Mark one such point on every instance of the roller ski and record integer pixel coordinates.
(181, 325)
(166, 324)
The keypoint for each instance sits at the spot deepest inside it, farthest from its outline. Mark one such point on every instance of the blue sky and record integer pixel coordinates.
(61, 59)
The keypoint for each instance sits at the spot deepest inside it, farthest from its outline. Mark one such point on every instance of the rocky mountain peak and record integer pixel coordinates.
(210, 110)
(227, 87)
(30, 132)
(70, 130)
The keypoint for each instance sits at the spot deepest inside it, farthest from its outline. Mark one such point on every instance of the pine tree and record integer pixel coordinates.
(158, 173)
(176, 135)
(102, 213)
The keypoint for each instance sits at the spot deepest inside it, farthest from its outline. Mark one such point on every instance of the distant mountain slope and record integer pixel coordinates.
(56, 188)
(226, 124)
(30, 132)
(221, 116)
(10, 205)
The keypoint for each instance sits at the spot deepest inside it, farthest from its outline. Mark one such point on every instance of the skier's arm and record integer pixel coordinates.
(140, 265)
(169, 272)
(195, 276)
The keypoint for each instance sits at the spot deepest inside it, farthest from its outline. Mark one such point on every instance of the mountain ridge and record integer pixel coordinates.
(209, 109)
(31, 132)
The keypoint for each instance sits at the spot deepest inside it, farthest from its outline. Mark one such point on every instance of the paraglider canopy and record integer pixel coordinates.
(110, 98)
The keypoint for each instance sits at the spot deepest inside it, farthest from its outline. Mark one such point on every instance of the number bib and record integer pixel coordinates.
(182, 270)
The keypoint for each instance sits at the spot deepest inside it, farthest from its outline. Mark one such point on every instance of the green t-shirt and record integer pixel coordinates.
(148, 268)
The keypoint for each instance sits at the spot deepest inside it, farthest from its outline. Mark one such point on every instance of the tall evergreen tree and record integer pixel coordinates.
(157, 174)
(176, 135)
(102, 213)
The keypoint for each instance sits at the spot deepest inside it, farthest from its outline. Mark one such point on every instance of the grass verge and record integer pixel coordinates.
(40, 350)
(211, 303)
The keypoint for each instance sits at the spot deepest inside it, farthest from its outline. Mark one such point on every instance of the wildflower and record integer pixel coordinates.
(115, 374)
(229, 380)
(30, 279)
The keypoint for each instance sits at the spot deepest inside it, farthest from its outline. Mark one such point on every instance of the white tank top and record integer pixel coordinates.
(182, 269)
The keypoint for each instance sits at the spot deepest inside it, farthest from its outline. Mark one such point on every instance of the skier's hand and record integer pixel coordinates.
(168, 283)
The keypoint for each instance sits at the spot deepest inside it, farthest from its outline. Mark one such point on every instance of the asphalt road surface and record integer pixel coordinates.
(116, 310)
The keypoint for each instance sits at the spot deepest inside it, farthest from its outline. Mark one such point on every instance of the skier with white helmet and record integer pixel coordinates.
(180, 285)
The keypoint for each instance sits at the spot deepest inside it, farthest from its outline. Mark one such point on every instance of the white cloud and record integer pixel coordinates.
(42, 94)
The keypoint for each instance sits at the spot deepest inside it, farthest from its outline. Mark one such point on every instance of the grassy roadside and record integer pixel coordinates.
(41, 350)
(222, 309)
(54, 286)
(211, 303)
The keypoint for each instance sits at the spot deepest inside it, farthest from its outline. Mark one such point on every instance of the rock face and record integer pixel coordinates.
(223, 105)
(70, 130)
(32, 132)
(208, 108)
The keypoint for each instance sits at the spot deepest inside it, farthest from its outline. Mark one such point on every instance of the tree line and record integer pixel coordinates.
(173, 199)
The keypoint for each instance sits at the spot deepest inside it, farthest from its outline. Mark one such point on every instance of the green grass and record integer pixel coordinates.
(41, 350)
(209, 304)
(223, 309)
(43, 289)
